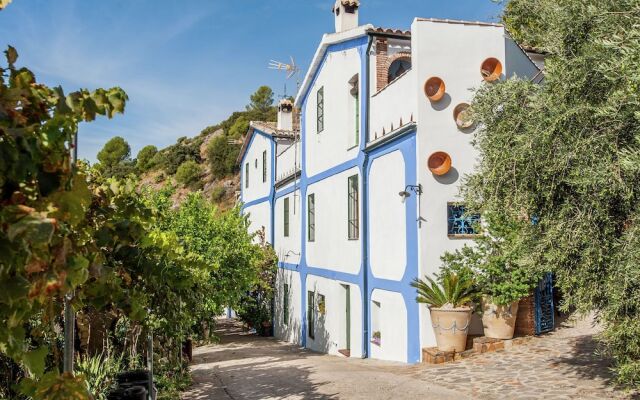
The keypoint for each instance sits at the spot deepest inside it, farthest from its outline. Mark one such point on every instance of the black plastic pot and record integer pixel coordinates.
(132, 376)
(136, 393)
(131, 393)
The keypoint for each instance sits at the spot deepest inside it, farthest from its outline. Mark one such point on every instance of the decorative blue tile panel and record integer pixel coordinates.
(458, 223)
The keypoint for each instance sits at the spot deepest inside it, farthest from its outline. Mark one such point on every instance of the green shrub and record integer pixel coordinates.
(494, 262)
(218, 193)
(188, 174)
(222, 156)
(173, 156)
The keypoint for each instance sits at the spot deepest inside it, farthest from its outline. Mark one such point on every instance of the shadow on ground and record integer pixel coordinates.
(243, 366)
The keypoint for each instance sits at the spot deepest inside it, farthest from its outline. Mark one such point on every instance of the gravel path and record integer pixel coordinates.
(562, 365)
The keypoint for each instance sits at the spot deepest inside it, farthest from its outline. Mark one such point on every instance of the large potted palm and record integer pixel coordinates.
(450, 305)
(498, 271)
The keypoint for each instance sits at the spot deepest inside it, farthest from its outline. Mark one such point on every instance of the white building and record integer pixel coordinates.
(349, 201)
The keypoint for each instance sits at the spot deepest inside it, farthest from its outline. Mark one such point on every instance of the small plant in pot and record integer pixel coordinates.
(500, 275)
(450, 305)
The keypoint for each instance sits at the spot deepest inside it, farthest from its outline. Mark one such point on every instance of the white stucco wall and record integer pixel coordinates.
(387, 213)
(288, 161)
(290, 330)
(259, 216)
(453, 52)
(393, 105)
(288, 248)
(392, 325)
(257, 188)
(331, 146)
(332, 248)
(330, 328)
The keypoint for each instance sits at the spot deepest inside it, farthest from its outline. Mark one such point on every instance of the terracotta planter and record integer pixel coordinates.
(451, 326)
(499, 321)
(491, 69)
(439, 163)
(434, 88)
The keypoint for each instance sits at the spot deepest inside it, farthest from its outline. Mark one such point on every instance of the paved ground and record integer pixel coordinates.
(562, 365)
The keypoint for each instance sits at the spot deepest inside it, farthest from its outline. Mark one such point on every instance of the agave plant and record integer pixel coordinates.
(99, 372)
(454, 292)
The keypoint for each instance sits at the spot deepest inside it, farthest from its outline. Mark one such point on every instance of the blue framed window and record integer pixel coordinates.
(459, 223)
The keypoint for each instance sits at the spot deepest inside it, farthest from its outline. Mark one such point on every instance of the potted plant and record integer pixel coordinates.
(500, 275)
(376, 338)
(450, 307)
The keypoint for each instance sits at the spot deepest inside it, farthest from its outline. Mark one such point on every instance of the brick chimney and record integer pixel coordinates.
(285, 115)
(346, 14)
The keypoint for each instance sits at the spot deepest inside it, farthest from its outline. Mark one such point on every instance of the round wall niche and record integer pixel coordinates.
(434, 88)
(439, 163)
(491, 69)
(462, 117)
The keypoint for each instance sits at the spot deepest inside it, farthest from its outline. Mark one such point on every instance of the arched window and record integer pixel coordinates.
(398, 67)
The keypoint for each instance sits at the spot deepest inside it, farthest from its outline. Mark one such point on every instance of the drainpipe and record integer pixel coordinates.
(365, 224)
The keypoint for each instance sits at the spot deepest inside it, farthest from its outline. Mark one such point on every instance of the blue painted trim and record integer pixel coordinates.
(406, 145)
(346, 45)
(272, 179)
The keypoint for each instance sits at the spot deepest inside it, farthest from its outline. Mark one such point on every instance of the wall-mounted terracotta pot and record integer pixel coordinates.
(461, 116)
(434, 88)
(439, 163)
(491, 69)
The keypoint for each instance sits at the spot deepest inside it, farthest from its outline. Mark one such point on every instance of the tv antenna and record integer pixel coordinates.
(291, 70)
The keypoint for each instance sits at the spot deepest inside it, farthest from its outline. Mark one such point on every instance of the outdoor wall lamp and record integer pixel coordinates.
(406, 193)
(417, 189)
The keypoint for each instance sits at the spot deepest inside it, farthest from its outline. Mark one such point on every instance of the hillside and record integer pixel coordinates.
(206, 162)
(221, 190)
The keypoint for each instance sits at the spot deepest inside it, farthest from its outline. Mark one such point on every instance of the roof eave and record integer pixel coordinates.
(327, 40)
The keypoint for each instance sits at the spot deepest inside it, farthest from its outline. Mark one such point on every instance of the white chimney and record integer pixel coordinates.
(285, 115)
(346, 14)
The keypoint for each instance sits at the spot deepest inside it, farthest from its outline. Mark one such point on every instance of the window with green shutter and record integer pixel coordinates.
(286, 217)
(320, 109)
(264, 166)
(246, 175)
(353, 208)
(311, 217)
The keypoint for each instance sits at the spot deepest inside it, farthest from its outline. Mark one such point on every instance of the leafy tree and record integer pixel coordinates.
(261, 100)
(566, 154)
(115, 151)
(145, 157)
(189, 173)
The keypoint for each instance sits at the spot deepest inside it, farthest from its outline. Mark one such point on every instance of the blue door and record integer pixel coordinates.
(544, 311)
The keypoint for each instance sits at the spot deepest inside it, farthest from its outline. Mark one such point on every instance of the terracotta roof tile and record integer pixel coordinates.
(390, 31)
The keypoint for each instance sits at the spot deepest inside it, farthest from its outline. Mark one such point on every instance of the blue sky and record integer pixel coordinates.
(185, 64)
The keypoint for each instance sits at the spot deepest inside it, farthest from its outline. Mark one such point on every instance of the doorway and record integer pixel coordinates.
(346, 351)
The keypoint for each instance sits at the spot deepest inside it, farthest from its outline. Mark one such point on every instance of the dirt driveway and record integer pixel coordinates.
(558, 366)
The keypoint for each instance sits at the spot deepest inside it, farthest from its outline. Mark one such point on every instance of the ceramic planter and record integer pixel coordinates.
(451, 326)
(499, 321)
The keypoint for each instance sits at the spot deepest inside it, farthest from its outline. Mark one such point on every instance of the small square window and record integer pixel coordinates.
(459, 223)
